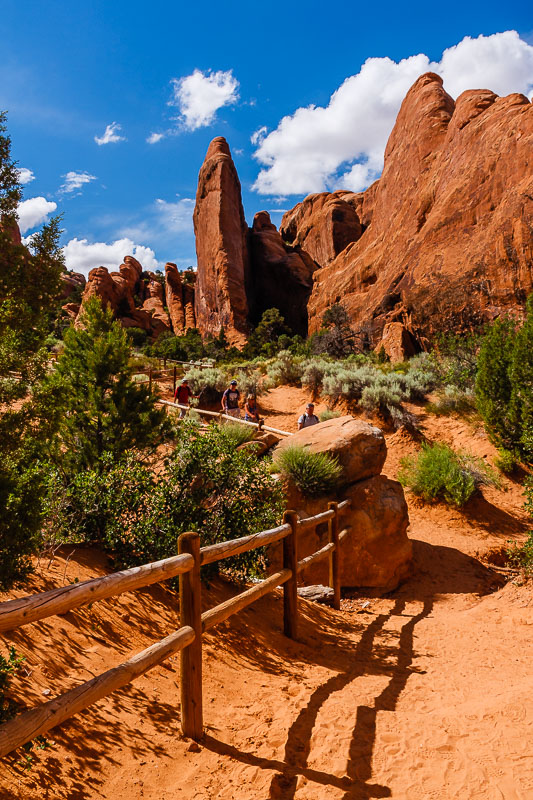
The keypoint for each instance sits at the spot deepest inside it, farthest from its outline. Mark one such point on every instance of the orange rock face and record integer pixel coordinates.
(448, 241)
(281, 275)
(174, 291)
(221, 247)
(322, 225)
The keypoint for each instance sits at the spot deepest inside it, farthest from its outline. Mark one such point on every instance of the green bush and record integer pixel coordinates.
(314, 474)
(328, 414)
(204, 485)
(285, 369)
(209, 383)
(439, 473)
(137, 336)
(505, 461)
(521, 556)
(452, 400)
(236, 434)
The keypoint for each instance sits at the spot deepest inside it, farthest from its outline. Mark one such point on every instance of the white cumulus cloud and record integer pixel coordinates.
(258, 135)
(342, 144)
(200, 95)
(82, 255)
(25, 175)
(110, 135)
(75, 181)
(33, 212)
(154, 138)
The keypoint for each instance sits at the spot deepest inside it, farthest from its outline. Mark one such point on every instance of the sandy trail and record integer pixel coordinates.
(423, 694)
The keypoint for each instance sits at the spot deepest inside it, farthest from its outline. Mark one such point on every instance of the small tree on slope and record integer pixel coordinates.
(97, 407)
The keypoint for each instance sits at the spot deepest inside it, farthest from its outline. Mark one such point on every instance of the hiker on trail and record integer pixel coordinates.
(309, 418)
(183, 395)
(251, 412)
(230, 400)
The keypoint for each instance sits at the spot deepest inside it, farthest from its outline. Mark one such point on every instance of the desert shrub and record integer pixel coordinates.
(209, 383)
(328, 414)
(313, 374)
(314, 474)
(521, 556)
(204, 485)
(235, 434)
(452, 400)
(285, 369)
(137, 336)
(439, 473)
(506, 461)
(249, 381)
(455, 360)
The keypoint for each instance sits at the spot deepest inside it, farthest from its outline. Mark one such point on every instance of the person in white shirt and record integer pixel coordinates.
(309, 418)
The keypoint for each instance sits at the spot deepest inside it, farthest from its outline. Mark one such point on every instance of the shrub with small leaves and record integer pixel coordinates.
(439, 473)
(328, 414)
(285, 369)
(314, 474)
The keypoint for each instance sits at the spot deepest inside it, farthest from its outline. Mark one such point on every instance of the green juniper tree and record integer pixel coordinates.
(29, 286)
(94, 406)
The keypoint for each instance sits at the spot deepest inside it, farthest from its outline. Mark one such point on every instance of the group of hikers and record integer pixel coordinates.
(231, 404)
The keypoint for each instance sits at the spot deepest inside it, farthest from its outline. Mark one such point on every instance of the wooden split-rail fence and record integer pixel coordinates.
(187, 640)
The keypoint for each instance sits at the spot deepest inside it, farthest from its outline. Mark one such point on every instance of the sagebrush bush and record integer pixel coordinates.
(439, 473)
(249, 381)
(314, 474)
(208, 383)
(452, 400)
(506, 462)
(521, 556)
(285, 369)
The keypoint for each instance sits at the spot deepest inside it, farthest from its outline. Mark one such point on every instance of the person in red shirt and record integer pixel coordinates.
(183, 395)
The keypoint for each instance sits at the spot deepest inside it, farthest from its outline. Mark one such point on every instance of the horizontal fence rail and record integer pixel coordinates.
(221, 415)
(187, 640)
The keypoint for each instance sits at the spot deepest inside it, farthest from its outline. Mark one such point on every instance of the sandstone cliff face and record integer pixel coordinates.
(221, 247)
(174, 291)
(282, 276)
(449, 239)
(322, 225)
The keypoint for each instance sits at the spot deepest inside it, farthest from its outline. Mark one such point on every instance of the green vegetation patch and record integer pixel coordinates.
(314, 474)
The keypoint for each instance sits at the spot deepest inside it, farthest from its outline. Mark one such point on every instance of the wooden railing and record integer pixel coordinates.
(220, 415)
(187, 640)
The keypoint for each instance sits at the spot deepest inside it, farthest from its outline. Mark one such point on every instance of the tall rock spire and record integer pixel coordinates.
(221, 247)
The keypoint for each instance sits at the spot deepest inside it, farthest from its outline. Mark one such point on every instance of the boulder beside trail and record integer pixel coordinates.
(359, 447)
(377, 553)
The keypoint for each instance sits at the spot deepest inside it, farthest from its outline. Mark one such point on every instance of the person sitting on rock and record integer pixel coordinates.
(251, 412)
(309, 418)
(183, 395)
(230, 400)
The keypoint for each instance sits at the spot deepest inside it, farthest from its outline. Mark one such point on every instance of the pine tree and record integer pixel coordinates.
(29, 285)
(97, 406)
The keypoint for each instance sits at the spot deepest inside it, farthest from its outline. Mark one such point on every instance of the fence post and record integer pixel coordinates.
(260, 424)
(290, 587)
(150, 380)
(191, 656)
(334, 557)
(164, 363)
(174, 382)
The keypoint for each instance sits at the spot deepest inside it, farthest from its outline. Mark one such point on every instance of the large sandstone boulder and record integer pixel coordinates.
(449, 224)
(221, 247)
(101, 284)
(281, 276)
(377, 552)
(359, 447)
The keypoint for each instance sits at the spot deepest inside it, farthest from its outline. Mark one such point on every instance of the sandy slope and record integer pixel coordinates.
(424, 694)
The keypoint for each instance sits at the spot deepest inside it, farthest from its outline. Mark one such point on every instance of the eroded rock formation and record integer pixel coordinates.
(221, 299)
(448, 239)
(281, 275)
(377, 552)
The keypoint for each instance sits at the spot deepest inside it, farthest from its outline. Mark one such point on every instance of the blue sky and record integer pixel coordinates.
(305, 93)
